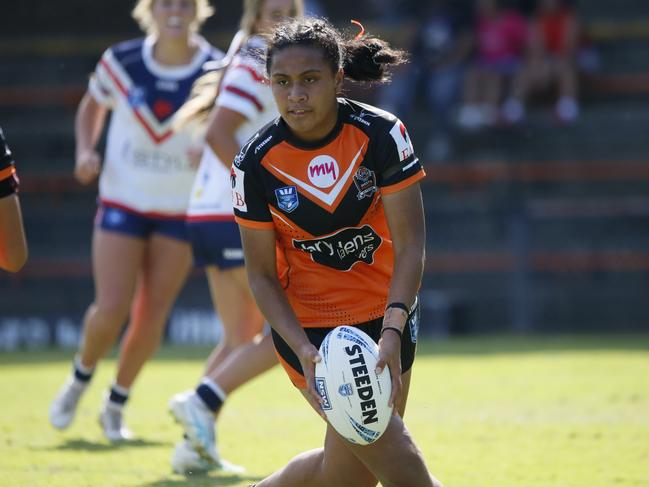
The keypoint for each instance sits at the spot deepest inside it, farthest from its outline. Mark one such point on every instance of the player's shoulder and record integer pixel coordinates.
(372, 120)
(126, 48)
(249, 61)
(254, 150)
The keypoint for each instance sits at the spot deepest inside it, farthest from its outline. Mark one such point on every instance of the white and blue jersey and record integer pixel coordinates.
(146, 167)
(245, 90)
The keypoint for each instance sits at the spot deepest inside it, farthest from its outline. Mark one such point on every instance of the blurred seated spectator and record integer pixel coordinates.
(439, 50)
(551, 61)
(500, 41)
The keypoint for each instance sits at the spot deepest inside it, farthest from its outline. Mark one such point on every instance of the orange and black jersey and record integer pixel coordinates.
(8, 178)
(324, 202)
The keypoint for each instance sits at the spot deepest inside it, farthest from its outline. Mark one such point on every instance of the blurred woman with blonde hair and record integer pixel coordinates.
(140, 249)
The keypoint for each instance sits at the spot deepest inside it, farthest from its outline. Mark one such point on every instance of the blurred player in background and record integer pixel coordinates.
(241, 102)
(332, 224)
(141, 253)
(13, 244)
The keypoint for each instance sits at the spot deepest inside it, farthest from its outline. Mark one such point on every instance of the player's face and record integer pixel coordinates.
(304, 87)
(272, 12)
(173, 18)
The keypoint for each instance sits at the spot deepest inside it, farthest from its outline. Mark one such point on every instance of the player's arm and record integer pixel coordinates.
(409, 240)
(89, 123)
(222, 127)
(259, 252)
(13, 244)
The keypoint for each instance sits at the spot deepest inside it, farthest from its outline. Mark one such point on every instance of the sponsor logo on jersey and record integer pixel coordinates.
(365, 181)
(238, 193)
(136, 96)
(166, 85)
(323, 171)
(343, 249)
(263, 143)
(321, 387)
(402, 140)
(361, 117)
(287, 199)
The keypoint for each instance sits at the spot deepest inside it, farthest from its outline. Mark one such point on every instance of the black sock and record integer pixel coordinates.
(211, 395)
(81, 373)
(118, 395)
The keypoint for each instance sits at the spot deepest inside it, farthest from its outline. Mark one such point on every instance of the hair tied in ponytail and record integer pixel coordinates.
(362, 32)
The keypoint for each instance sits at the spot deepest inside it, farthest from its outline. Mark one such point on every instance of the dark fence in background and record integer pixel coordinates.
(535, 229)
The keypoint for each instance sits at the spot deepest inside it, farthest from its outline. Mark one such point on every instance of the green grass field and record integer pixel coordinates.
(492, 412)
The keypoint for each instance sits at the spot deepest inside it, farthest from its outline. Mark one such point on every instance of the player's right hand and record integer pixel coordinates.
(309, 356)
(87, 167)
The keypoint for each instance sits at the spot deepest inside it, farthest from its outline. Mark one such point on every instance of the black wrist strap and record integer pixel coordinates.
(398, 306)
(393, 328)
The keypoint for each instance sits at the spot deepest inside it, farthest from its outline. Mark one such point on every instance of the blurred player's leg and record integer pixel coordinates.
(166, 265)
(237, 310)
(116, 260)
(242, 358)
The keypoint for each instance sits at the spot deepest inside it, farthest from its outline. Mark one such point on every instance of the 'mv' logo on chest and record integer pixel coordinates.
(323, 171)
(344, 248)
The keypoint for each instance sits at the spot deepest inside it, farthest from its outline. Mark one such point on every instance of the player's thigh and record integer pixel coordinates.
(354, 465)
(167, 264)
(234, 301)
(341, 467)
(117, 260)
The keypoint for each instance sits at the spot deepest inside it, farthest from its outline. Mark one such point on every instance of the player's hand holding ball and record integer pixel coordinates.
(390, 350)
(308, 355)
(87, 167)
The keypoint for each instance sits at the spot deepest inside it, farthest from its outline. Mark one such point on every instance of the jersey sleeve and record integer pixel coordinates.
(102, 81)
(248, 195)
(8, 178)
(242, 89)
(398, 165)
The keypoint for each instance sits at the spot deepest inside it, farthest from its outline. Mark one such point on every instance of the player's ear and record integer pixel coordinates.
(339, 78)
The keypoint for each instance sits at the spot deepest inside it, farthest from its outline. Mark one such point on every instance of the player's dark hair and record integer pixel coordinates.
(363, 58)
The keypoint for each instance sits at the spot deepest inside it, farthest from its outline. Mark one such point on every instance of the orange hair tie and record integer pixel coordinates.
(360, 34)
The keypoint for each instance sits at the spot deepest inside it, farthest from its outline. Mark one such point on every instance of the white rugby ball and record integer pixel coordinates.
(355, 397)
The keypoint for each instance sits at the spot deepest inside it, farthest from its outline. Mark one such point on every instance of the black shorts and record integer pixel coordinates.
(291, 363)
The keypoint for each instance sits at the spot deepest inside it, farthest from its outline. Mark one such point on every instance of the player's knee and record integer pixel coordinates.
(108, 313)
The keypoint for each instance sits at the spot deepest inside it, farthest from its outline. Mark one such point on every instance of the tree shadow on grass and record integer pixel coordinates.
(80, 444)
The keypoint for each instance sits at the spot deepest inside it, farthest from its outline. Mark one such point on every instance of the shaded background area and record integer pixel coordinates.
(537, 227)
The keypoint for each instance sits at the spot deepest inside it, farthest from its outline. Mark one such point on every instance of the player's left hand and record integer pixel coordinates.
(390, 355)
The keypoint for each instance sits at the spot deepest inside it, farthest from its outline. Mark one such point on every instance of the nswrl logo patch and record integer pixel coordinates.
(287, 199)
(321, 387)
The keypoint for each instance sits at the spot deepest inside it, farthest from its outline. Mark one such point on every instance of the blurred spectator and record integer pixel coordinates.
(441, 45)
(551, 60)
(500, 35)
